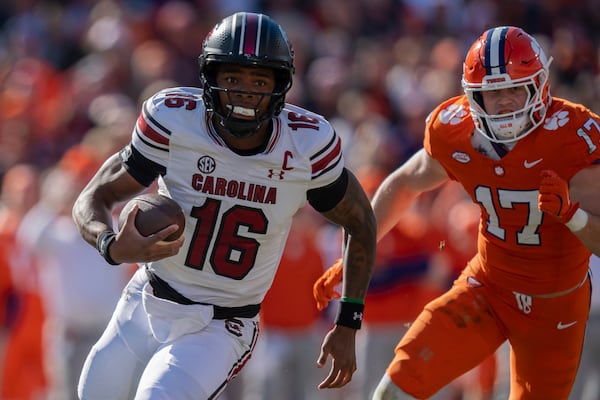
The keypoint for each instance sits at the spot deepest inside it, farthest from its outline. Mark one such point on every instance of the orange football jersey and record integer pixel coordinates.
(519, 247)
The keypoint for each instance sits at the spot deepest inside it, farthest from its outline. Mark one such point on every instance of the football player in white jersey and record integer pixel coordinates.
(240, 162)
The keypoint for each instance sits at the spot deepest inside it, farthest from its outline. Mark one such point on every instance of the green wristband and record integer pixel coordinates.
(354, 300)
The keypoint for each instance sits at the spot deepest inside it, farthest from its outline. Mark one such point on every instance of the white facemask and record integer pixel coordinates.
(508, 126)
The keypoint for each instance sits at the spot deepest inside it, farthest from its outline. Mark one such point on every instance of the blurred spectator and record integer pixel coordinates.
(396, 52)
(78, 290)
(35, 109)
(23, 376)
(19, 192)
(9, 307)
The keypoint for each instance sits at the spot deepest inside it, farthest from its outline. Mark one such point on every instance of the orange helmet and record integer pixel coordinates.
(507, 57)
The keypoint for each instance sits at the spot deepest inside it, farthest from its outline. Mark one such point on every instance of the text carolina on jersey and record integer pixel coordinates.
(235, 189)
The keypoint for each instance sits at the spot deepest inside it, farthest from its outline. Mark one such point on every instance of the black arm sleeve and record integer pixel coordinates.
(325, 198)
(144, 171)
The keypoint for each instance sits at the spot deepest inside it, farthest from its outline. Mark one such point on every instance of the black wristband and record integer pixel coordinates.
(105, 239)
(350, 314)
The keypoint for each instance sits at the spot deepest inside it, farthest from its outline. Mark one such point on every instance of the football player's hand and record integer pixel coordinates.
(131, 247)
(339, 343)
(324, 287)
(554, 197)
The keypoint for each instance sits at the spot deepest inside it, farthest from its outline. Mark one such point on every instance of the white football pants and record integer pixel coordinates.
(156, 349)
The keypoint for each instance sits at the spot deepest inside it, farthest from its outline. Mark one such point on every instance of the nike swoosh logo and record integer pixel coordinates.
(528, 164)
(562, 326)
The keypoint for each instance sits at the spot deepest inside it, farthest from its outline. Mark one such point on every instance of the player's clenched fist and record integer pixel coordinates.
(324, 287)
(554, 199)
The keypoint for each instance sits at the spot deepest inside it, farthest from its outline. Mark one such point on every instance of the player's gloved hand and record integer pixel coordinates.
(324, 287)
(555, 200)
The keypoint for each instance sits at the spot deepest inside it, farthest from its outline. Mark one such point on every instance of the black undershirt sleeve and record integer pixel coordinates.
(144, 171)
(325, 198)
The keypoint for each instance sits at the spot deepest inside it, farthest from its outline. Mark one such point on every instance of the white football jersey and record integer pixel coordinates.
(238, 208)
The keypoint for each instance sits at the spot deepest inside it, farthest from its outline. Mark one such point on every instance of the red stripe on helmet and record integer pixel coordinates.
(250, 34)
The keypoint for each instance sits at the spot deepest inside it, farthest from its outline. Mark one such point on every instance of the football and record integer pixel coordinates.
(155, 213)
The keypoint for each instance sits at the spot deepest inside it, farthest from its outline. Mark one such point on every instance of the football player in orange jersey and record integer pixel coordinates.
(531, 162)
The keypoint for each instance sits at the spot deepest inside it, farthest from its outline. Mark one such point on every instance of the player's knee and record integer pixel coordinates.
(407, 379)
(387, 390)
(86, 389)
(171, 383)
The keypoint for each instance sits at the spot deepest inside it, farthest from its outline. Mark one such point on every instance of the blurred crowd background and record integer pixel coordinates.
(73, 74)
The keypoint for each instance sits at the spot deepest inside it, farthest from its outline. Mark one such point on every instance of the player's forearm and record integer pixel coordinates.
(359, 255)
(389, 202)
(400, 189)
(91, 220)
(359, 259)
(92, 211)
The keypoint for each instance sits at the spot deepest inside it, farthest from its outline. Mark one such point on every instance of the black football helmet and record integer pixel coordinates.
(246, 39)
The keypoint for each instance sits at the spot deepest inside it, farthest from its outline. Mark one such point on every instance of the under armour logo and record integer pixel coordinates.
(274, 173)
(357, 316)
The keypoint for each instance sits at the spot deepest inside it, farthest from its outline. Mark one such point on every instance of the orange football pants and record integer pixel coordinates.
(461, 328)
